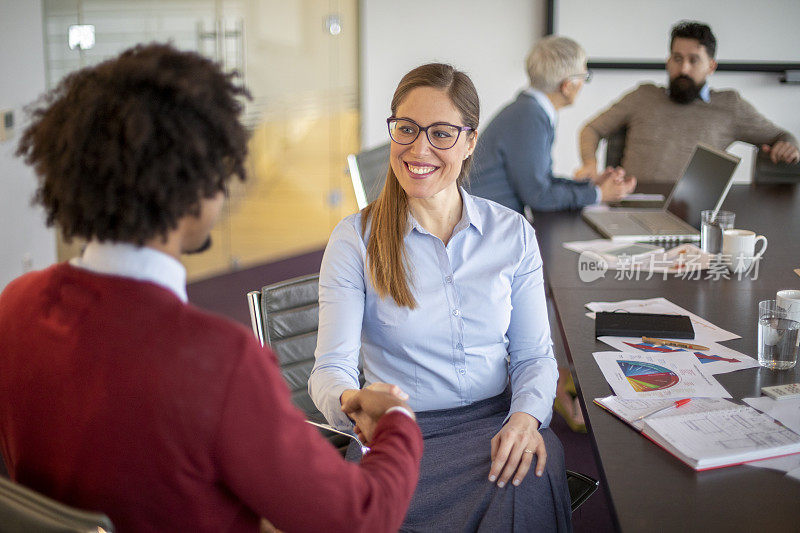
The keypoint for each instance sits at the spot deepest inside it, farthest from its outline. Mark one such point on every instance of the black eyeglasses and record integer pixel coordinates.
(441, 135)
(585, 76)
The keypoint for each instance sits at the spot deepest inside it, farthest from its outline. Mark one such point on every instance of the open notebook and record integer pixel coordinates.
(710, 434)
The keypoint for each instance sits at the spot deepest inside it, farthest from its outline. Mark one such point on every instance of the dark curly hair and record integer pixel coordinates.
(124, 149)
(689, 29)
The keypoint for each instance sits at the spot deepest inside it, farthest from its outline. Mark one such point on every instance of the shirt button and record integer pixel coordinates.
(456, 312)
(448, 279)
(462, 371)
(460, 346)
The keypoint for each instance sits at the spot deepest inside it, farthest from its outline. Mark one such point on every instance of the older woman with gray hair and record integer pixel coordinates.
(513, 164)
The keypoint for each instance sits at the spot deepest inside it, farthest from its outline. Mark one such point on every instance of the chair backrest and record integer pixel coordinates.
(615, 147)
(765, 171)
(285, 315)
(368, 173)
(25, 510)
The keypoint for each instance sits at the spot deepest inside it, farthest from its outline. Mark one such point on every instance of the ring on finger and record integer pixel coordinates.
(528, 451)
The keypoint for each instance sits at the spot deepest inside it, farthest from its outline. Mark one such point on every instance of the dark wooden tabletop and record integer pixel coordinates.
(649, 489)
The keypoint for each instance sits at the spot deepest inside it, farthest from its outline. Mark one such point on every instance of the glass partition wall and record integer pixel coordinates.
(299, 60)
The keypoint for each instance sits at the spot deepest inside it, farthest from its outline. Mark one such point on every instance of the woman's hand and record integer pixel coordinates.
(513, 449)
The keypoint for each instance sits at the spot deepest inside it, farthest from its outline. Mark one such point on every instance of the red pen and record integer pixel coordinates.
(670, 406)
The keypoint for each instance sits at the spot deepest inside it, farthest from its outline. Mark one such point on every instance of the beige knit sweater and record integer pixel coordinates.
(662, 134)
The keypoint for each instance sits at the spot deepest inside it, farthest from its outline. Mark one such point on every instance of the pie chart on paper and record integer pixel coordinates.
(648, 377)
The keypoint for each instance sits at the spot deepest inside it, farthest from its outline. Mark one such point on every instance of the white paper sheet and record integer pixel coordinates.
(683, 259)
(787, 412)
(651, 376)
(703, 329)
(629, 410)
(782, 464)
(717, 359)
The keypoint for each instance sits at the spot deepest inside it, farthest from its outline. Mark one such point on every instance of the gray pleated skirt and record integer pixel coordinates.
(454, 492)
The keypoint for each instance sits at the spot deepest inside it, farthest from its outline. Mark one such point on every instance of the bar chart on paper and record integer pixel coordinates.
(717, 359)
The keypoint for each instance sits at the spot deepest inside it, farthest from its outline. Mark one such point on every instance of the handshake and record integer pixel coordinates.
(366, 406)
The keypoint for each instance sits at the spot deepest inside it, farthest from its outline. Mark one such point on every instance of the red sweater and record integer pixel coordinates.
(116, 396)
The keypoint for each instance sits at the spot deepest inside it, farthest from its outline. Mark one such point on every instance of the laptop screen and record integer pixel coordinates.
(704, 184)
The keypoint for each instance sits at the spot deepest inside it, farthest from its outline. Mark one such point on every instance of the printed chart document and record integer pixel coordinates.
(643, 376)
(629, 410)
(720, 438)
(717, 359)
(704, 330)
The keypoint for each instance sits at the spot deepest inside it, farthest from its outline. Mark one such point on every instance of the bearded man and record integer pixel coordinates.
(663, 124)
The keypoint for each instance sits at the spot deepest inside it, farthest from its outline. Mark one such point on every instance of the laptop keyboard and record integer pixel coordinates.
(659, 225)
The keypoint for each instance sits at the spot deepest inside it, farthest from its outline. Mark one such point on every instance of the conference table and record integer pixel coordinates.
(649, 489)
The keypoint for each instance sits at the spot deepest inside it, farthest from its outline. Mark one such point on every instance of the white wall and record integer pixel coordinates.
(486, 39)
(490, 39)
(777, 101)
(746, 30)
(24, 240)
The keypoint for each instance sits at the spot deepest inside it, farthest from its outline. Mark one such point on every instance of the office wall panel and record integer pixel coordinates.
(25, 242)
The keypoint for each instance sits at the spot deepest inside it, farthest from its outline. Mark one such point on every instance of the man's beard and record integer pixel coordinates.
(202, 248)
(683, 89)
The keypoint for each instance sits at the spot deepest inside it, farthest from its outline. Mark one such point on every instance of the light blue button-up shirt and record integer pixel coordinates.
(481, 317)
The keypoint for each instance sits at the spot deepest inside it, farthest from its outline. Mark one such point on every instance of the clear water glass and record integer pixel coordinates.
(778, 337)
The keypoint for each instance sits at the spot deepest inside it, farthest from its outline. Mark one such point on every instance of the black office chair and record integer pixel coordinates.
(23, 510)
(368, 173)
(285, 315)
(765, 171)
(615, 147)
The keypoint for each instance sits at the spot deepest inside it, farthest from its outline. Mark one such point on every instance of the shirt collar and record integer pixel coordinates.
(705, 93)
(470, 216)
(545, 102)
(136, 262)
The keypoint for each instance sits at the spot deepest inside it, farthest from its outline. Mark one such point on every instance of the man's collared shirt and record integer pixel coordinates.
(137, 262)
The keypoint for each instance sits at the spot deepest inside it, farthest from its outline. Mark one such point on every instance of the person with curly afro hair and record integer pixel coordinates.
(118, 395)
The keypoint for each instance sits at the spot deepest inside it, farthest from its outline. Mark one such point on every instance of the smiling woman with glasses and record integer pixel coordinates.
(443, 294)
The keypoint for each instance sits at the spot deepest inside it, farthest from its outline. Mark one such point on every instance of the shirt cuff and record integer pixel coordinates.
(332, 410)
(599, 195)
(400, 409)
(539, 409)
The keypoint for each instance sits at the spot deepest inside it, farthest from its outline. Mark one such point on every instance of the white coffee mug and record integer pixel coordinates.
(739, 248)
(789, 299)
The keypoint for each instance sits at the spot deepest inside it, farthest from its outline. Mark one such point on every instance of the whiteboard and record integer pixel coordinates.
(639, 30)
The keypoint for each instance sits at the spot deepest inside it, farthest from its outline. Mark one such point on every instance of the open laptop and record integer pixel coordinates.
(704, 185)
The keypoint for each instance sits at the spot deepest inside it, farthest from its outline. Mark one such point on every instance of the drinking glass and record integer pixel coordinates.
(711, 228)
(778, 337)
